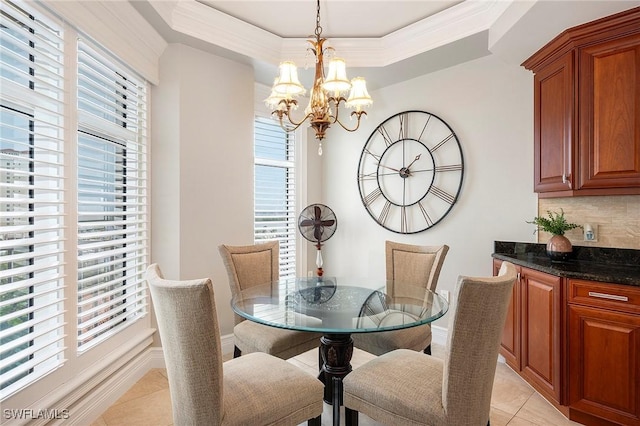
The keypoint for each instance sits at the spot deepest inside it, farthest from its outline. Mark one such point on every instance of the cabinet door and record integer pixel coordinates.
(553, 126)
(541, 325)
(610, 114)
(510, 343)
(604, 364)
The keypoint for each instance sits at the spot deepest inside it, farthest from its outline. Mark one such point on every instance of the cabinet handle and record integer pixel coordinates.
(608, 296)
(564, 178)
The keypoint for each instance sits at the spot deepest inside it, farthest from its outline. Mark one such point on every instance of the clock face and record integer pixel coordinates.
(410, 172)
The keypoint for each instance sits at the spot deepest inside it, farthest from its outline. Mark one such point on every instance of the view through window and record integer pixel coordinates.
(275, 192)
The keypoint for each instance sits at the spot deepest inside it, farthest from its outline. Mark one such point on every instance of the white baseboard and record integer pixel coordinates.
(439, 335)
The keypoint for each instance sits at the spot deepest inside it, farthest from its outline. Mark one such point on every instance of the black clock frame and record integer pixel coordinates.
(451, 198)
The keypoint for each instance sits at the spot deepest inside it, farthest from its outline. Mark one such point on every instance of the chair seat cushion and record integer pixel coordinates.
(414, 338)
(258, 388)
(408, 389)
(253, 337)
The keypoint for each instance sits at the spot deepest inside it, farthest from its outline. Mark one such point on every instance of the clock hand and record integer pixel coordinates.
(414, 160)
(387, 167)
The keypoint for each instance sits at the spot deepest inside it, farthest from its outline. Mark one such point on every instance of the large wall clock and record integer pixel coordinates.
(410, 172)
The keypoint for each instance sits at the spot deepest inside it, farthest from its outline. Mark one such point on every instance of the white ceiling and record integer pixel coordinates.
(385, 41)
(338, 18)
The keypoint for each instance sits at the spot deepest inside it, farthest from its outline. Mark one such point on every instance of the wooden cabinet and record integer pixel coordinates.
(604, 353)
(531, 340)
(510, 343)
(587, 109)
(540, 332)
(554, 150)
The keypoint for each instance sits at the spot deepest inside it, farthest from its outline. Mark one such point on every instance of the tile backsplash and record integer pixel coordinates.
(617, 218)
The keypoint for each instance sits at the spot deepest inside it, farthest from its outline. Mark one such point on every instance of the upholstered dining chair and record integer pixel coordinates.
(408, 388)
(257, 389)
(412, 265)
(254, 265)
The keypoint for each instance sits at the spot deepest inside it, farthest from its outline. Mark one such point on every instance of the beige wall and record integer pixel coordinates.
(617, 217)
(201, 166)
(489, 104)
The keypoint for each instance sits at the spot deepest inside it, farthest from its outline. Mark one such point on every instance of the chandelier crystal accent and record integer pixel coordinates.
(326, 94)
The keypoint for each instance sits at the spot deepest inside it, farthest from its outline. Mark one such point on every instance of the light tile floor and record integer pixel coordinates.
(513, 402)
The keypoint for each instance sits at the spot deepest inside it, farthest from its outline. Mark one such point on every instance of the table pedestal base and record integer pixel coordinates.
(336, 351)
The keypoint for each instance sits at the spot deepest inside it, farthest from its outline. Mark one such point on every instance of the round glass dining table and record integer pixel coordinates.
(337, 307)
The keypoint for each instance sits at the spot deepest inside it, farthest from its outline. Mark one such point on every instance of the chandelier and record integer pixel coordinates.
(326, 94)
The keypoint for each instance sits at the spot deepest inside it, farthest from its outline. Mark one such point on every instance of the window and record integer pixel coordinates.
(73, 201)
(32, 199)
(111, 185)
(274, 191)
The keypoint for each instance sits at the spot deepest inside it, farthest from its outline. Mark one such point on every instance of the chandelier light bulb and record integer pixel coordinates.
(287, 82)
(359, 96)
(337, 80)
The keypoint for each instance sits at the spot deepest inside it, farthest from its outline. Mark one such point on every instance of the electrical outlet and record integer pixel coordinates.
(590, 232)
(445, 295)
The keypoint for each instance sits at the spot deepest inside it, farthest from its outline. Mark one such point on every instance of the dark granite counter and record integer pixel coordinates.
(620, 266)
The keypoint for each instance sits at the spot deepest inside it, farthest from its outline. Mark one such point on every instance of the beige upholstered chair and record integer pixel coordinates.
(408, 388)
(258, 389)
(254, 265)
(411, 265)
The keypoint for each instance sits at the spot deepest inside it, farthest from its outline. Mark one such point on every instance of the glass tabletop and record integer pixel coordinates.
(339, 305)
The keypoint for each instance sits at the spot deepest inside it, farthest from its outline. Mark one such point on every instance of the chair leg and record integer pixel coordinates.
(427, 350)
(316, 421)
(236, 352)
(350, 417)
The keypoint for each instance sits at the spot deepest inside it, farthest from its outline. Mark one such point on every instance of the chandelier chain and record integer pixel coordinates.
(318, 27)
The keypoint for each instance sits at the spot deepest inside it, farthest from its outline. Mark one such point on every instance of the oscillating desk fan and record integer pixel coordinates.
(317, 223)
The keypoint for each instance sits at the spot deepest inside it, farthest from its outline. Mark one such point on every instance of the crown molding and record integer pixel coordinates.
(197, 20)
(117, 26)
(205, 23)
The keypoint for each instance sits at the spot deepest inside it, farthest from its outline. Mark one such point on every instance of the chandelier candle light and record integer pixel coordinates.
(326, 93)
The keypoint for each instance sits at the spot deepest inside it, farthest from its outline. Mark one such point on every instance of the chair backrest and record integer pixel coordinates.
(414, 265)
(251, 265)
(473, 342)
(188, 326)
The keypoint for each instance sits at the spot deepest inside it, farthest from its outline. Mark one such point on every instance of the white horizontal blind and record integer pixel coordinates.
(112, 197)
(274, 191)
(31, 198)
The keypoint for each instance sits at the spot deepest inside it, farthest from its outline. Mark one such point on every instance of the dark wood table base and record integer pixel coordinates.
(336, 351)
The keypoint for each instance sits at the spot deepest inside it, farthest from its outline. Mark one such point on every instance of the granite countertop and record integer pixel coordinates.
(620, 266)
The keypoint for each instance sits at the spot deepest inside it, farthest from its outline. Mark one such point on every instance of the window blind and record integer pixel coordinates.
(112, 196)
(32, 197)
(274, 191)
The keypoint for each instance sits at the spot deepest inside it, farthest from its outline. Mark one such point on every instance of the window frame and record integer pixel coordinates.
(80, 371)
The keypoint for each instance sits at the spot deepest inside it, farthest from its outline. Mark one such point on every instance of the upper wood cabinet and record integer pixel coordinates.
(587, 109)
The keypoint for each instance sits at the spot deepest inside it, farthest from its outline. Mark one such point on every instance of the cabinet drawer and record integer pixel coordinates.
(612, 296)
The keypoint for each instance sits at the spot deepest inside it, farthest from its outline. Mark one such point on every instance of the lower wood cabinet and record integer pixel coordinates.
(541, 328)
(531, 340)
(604, 353)
(577, 342)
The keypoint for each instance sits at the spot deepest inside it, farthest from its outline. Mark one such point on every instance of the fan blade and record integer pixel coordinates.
(318, 212)
(327, 222)
(307, 222)
(317, 233)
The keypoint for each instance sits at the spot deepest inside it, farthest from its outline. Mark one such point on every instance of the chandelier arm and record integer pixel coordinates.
(358, 114)
(295, 124)
(336, 102)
